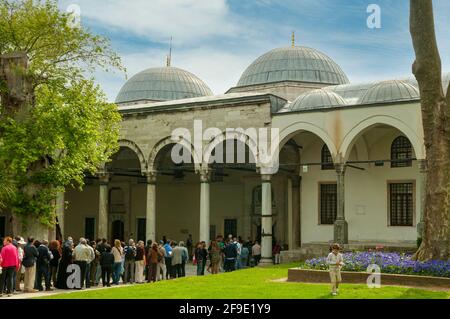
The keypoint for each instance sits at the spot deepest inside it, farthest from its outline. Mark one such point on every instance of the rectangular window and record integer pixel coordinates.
(141, 229)
(89, 228)
(401, 204)
(230, 227)
(2, 226)
(328, 203)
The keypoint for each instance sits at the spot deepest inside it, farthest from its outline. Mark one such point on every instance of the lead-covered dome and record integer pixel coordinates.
(390, 91)
(162, 84)
(300, 64)
(316, 99)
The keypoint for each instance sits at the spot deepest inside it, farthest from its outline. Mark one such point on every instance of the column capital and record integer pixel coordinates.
(103, 177)
(205, 175)
(266, 178)
(340, 168)
(151, 177)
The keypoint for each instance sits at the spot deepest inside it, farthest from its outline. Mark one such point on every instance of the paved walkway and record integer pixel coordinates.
(191, 270)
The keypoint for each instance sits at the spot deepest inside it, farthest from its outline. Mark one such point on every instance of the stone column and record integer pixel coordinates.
(340, 225)
(150, 214)
(290, 219)
(102, 232)
(423, 188)
(266, 220)
(205, 178)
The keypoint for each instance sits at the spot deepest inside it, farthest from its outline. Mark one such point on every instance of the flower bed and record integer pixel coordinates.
(391, 263)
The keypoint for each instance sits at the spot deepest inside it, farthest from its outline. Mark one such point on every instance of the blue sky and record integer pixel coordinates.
(218, 39)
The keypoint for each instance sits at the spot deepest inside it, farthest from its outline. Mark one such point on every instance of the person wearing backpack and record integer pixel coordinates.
(106, 264)
(154, 256)
(29, 262)
(130, 260)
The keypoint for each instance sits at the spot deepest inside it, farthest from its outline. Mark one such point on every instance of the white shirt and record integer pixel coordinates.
(333, 259)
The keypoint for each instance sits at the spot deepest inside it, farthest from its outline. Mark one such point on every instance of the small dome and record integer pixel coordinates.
(296, 63)
(316, 99)
(390, 91)
(162, 84)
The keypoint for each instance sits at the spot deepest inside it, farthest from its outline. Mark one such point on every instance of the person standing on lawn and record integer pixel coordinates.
(161, 266)
(256, 252)
(106, 264)
(335, 261)
(184, 259)
(9, 261)
(189, 245)
(29, 262)
(130, 260)
(201, 255)
(276, 250)
(117, 251)
(43, 266)
(139, 262)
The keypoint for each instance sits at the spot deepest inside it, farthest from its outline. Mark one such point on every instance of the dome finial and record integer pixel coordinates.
(169, 56)
(293, 38)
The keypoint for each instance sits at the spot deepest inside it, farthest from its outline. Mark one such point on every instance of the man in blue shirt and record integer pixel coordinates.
(168, 259)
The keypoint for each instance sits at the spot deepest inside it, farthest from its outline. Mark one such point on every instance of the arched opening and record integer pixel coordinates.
(382, 186)
(233, 180)
(126, 194)
(177, 193)
(124, 198)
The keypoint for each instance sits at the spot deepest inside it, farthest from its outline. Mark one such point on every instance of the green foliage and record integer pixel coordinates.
(70, 129)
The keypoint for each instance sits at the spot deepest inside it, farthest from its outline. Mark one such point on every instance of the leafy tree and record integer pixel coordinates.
(55, 123)
(435, 106)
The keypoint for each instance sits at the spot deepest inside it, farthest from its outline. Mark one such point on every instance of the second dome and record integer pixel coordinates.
(299, 64)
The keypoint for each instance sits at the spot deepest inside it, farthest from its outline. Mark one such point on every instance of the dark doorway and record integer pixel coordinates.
(89, 228)
(117, 230)
(141, 229)
(2, 226)
(230, 227)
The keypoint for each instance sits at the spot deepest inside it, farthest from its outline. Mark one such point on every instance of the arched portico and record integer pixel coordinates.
(293, 129)
(364, 125)
(135, 148)
(168, 141)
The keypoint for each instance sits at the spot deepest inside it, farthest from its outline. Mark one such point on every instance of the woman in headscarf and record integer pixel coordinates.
(66, 260)
(55, 249)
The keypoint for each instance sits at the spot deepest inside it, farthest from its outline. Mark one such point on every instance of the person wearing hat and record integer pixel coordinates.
(335, 261)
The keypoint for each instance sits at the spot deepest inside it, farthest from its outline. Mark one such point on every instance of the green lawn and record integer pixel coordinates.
(252, 283)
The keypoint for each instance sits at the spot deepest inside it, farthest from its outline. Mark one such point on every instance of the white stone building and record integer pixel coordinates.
(351, 157)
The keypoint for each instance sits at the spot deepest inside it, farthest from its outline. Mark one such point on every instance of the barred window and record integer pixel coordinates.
(327, 160)
(401, 152)
(401, 204)
(328, 203)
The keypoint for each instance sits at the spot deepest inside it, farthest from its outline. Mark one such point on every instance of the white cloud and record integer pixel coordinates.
(185, 20)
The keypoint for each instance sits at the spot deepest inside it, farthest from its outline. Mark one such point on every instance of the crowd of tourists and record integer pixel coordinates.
(42, 265)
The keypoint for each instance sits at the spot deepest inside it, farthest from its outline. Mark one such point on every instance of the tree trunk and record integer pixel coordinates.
(435, 113)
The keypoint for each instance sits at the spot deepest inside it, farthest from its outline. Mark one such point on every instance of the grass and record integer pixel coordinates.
(254, 283)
